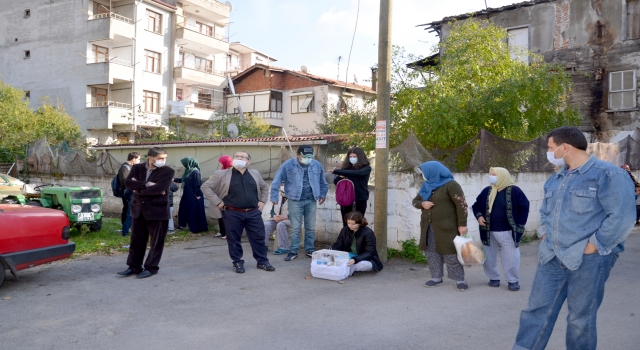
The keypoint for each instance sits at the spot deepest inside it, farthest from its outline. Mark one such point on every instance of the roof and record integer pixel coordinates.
(232, 46)
(485, 12)
(325, 138)
(167, 3)
(317, 78)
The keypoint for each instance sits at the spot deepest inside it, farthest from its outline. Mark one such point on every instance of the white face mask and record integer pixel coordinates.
(353, 160)
(555, 161)
(305, 160)
(239, 163)
(493, 179)
(159, 163)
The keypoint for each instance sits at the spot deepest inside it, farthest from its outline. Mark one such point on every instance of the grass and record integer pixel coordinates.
(409, 251)
(107, 241)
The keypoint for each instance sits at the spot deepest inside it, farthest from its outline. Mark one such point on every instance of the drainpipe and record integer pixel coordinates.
(134, 64)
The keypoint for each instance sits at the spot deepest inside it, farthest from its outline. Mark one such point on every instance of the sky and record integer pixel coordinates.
(316, 33)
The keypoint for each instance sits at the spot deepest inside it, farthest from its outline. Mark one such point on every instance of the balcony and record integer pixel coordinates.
(109, 71)
(200, 40)
(198, 112)
(109, 115)
(270, 118)
(186, 72)
(111, 25)
(212, 9)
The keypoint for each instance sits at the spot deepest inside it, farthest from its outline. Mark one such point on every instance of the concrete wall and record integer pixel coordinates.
(403, 220)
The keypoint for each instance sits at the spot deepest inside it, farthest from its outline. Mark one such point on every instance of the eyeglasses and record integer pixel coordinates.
(240, 157)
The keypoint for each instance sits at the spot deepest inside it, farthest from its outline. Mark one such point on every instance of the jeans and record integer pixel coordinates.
(171, 223)
(582, 288)
(126, 225)
(297, 210)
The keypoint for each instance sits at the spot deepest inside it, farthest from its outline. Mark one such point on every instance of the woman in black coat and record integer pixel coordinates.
(356, 168)
(360, 242)
(191, 210)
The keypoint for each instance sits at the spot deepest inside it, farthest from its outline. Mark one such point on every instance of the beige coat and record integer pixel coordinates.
(217, 187)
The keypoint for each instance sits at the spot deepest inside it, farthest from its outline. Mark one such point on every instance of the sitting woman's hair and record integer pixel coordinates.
(357, 217)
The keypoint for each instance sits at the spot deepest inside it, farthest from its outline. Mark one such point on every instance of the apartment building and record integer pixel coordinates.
(115, 63)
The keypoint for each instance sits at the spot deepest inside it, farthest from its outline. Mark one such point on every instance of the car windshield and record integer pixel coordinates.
(85, 194)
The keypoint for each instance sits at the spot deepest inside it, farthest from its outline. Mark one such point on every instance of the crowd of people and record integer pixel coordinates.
(589, 209)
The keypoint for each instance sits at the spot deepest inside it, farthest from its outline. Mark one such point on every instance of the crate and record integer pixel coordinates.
(330, 264)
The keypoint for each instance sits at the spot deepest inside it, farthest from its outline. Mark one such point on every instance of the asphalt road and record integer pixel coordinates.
(198, 302)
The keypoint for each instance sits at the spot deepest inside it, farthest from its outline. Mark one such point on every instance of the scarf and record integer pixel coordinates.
(225, 161)
(504, 181)
(436, 175)
(190, 164)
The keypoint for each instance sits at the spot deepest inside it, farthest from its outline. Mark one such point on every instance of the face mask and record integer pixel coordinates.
(353, 160)
(493, 179)
(239, 163)
(555, 161)
(305, 161)
(424, 178)
(159, 163)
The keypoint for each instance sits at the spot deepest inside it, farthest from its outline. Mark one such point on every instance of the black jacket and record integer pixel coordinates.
(152, 202)
(360, 179)
(365, 245)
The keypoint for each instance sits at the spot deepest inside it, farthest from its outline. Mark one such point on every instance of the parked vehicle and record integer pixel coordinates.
(10, 186)
(32, 236)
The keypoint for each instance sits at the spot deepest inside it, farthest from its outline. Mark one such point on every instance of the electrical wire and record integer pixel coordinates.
(346, 80)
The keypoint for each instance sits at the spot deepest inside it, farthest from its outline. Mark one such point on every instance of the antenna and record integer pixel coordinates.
(304, 69)
(233, 130)
(339, 58)
(228, 3)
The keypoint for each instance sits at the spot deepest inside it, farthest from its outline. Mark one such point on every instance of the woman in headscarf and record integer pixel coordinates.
(191, 210)
(226, 163)
(444, 216)
(502, 210)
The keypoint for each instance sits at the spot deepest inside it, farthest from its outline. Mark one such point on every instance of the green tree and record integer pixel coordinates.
(357, 124)
(20, 125)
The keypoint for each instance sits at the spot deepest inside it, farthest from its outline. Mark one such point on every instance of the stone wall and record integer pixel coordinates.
(403, 220)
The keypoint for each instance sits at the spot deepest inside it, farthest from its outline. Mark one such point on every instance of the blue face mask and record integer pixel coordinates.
(353, 160)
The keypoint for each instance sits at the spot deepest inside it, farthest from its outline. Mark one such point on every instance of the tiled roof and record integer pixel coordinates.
(307, 75)
(330, 138)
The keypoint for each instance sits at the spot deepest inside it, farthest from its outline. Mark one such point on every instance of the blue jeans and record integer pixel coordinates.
(582, 288)
(297, 210)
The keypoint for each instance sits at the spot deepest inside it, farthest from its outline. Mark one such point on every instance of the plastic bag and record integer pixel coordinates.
(469, 252)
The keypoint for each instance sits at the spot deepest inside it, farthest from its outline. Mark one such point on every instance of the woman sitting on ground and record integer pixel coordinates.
(360, 242)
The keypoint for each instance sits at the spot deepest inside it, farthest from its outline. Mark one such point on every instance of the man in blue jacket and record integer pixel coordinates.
(586, 215)
(304, 184)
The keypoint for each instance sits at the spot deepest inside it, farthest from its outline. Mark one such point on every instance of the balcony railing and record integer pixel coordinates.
(200, 105)
(109, 60)
(203, 31)
(112, 15)
(109, 104)
(266, 115)
(192, 65)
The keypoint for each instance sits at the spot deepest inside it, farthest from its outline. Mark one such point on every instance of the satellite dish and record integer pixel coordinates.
(233, 130)
(228, 3)
(303, 69)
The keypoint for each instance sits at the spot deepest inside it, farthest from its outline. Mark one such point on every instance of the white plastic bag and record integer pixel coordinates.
(469, 252)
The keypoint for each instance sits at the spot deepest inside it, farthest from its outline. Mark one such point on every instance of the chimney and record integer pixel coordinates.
(374, 78)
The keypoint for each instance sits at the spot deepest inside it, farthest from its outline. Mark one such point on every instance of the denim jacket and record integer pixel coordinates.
(595, 203)
(291, 173)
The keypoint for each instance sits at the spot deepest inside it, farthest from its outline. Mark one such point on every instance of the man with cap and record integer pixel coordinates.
(304, 188)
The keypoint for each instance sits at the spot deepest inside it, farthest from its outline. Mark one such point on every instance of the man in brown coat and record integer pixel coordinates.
(150, 183)
(240, 193)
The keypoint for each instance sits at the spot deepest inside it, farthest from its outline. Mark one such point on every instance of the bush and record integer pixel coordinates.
(410, 251)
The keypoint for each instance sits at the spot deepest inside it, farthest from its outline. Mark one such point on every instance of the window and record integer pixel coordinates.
(302, 104)
(100, 54)
(276, 101)
(633, 19)
(27, 13)
(152, 61)
(204, 65)
(99, 97)
(205, 29)
(179, 94)
(27, 93)
(204, 101)
(154, 22)
(518, 40)
(99, 8)
(27, 54)
(151, 102)
(622, 89)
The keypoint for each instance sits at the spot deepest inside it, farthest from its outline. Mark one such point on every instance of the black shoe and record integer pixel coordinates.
(291, 256)
(494, 283)
(266, 267)
(309, 253)
(239, 267)
(127, 272)
(144, 274)
(514, 287)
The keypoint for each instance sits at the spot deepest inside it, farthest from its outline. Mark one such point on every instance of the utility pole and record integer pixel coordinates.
(382, 127)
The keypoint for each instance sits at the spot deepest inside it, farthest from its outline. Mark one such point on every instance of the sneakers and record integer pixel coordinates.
(432, 283)
(291, 256)
(281, 251)
(494, 283)
(266, 267)
(309, 253)
(462, 286)
(239, 267)
(514, 287)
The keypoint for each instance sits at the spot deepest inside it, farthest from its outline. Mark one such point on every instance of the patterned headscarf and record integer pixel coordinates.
(504, 181)
(190, 164)
(436, 175)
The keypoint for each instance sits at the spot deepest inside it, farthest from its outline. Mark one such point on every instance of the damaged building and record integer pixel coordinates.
(598, 40)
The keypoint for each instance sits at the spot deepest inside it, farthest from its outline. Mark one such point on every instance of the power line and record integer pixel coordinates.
(346, 80)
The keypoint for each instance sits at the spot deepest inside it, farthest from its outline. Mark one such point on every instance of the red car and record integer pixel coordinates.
(31, 236)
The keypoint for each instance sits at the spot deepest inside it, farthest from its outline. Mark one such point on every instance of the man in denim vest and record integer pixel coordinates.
(586, 215)
(304, 187)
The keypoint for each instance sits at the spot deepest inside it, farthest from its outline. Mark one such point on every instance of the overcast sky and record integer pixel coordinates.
(315, 33)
